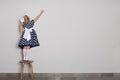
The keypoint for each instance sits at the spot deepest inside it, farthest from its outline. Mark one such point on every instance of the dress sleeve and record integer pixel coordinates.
(31, 24)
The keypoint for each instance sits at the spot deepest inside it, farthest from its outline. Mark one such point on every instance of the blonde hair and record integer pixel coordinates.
(26, 21)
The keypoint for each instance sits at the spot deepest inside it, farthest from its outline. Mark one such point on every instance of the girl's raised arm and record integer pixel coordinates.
(38, 16)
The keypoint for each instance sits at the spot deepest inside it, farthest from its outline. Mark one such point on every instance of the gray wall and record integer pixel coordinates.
(75, 35)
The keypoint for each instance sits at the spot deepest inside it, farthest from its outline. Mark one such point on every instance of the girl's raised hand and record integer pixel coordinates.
(42, 11)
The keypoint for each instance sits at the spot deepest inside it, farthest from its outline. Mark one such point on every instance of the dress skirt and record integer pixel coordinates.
(33, 42)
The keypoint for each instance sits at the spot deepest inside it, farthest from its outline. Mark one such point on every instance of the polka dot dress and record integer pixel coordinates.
(33, 42)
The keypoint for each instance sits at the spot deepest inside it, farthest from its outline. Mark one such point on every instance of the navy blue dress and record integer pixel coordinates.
(33, 42)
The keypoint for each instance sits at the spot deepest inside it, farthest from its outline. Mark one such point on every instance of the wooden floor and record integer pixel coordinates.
(62, 76)
(45, 78)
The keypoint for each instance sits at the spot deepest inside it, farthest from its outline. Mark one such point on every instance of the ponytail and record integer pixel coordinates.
(21, 27)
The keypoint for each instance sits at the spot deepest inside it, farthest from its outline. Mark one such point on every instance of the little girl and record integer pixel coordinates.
(28, 37)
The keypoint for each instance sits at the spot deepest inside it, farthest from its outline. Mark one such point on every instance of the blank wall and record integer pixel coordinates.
(76, 36)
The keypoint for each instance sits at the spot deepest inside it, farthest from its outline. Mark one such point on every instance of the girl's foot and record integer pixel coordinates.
(26, 58)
